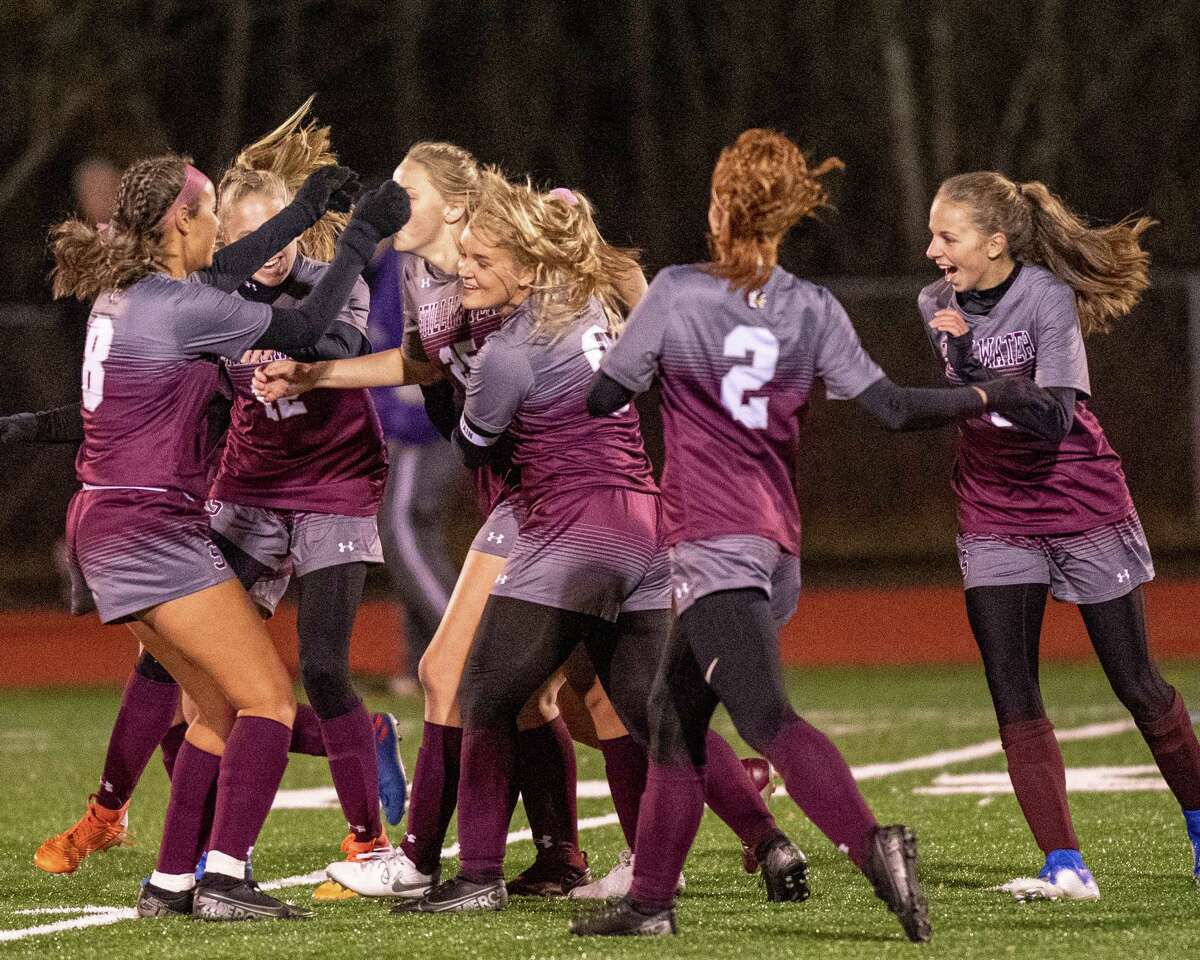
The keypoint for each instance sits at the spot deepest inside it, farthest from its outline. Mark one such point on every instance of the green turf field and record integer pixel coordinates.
(51, 745)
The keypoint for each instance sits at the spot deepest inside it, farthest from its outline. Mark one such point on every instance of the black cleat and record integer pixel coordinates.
(218, 897)
(156, 902)
(892, 870)
(784, 871)
(553, 874)
(624, 919)
(458, 895)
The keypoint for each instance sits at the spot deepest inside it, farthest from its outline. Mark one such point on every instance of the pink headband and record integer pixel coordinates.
(193, 185)
(565, 195)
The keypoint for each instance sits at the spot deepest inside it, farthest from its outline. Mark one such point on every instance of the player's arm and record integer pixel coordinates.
(1048, 416)
(58, 425)
(500, 378)
(388, 368)
(329, 188)
(630, 365)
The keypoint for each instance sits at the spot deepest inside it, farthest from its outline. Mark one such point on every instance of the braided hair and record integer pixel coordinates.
(91, 259)
(764, 185)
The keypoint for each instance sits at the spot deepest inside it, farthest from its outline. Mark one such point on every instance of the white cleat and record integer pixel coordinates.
(1066, 884)
(616, 883)
(384, 874)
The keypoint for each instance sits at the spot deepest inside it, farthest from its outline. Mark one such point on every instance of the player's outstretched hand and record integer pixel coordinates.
(1010, 394)
(283, 378)
(18, 428)
(331, 187)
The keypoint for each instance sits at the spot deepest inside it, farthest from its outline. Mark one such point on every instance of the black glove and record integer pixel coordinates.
(1009, 394)
(328, 188)
(19, 428)
(379, 213)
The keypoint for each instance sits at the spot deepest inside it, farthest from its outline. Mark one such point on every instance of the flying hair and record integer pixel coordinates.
(556, 236)
(277, 164)
(763, 185)
(1105, 265)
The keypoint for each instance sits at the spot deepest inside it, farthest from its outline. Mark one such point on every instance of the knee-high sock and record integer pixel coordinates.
(545, 776)
(307, 736)
(484, 794)
(147, 709)
(350, 746)
(1172, 740)
(189, 811)
(1035, 767)
(171, 743)
(256, 754)
(625, 766)
(732, 796)
(434, 795)
(819, 781)
(670, 816)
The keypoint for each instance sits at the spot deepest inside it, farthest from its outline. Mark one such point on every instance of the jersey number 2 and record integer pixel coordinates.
(761, 347)
(95, 352)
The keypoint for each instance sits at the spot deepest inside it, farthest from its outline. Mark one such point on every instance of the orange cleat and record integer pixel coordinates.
(97, 830)
(354, 850)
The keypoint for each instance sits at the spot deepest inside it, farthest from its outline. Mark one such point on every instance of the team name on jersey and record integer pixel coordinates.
(439, 316)
(1005, 350)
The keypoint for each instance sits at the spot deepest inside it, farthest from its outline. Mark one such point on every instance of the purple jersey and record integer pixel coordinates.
(736, 372)
(149, 374)
(1007, 481)
(439, 330)
(320, 453)
(535, 387)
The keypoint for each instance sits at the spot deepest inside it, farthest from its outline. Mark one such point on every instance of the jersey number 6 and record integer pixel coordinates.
(761, 347)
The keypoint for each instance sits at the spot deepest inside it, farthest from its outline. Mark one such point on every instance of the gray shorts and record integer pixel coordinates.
(736, 562)
(1089, 567)
(134, 549)
(295, 542)
(499, 531)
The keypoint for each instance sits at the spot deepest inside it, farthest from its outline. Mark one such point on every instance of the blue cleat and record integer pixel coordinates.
(1064, 877)
(1192, 819)
(393, 782)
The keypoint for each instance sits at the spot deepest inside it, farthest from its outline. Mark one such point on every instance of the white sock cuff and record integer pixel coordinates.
(224, 864)
(175, 882)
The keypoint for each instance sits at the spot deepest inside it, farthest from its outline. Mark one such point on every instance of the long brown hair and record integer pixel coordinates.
(89, 260)
(765, 186)
(555, 235)
(277, 164)
(1105, 266)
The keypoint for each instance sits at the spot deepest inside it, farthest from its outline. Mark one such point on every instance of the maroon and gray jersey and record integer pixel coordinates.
(149, 373)
(534, 387)
(1007, 481)
(736, 371)
(439, 330)
(320, 453)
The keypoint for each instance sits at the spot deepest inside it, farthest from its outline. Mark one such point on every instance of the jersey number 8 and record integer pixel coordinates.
(761, 347)
(95, 352)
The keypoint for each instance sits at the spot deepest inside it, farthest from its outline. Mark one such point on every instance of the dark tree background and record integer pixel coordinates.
(630, 101)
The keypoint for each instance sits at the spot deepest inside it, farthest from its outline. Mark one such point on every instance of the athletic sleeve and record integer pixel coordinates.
(1061, 358)
(499, 379)
(841, 361)
(633, 360)
(237, 262)
(208, 321)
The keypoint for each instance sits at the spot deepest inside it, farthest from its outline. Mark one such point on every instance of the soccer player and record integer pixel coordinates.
(736, 345)
(1042, 499)
(137, 530)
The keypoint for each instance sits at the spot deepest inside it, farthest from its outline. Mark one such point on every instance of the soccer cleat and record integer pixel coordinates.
(218, 897)
(762, 775)
(785, 872)
(1192, 819)
(393, 781)
(96, 831)
(381, 874)
(553, 874)
(892, 869)
(625, 919)
(616, 883)
(355, 850)
(156, 902)
(458, 896)
(1063, 877)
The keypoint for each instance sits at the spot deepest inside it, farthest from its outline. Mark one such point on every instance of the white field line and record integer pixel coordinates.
(102, 916)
